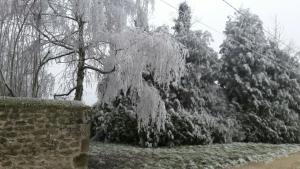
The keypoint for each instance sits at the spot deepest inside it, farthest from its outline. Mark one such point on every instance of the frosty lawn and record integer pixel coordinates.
(114, 156)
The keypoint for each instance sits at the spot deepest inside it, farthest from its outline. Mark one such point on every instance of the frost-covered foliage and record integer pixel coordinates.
(145, 61)
(166, 106)
(183, 23)
(261, 80)
(118, 122)
(199, 90)
(250, 94)
(79, 36)
(141, 54)
(141, 16)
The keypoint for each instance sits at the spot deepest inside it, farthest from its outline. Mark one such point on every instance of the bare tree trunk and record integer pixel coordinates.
(11, 93)
(36, 67)
(81, 62)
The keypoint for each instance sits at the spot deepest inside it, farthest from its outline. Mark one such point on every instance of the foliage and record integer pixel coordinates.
(174, 108)
(199, 90)
(146, 62)
(262, 80)
(118, 122)
(72, 33)
(183, 23)
(199, 93)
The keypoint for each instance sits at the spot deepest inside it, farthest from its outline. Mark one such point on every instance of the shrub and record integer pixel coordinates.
(118, 123)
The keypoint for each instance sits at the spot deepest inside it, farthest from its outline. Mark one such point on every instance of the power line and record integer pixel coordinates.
(231, 6)
(268, 32)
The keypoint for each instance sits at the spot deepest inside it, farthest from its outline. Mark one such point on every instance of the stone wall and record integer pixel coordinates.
(40, 134)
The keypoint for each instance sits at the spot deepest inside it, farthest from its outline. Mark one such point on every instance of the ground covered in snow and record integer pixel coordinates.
(217, 156)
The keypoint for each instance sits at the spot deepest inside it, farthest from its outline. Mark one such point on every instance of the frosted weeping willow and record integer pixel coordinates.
(139, 54)
(78, 30)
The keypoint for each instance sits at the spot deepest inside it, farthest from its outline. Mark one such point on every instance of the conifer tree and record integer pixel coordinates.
(202, 93)
(261, 80)
(183, 22)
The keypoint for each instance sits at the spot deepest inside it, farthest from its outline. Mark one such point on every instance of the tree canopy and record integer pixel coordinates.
(146, 60)
(261, 79)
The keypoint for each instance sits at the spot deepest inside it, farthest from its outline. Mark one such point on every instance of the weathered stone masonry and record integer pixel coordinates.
(39, 134)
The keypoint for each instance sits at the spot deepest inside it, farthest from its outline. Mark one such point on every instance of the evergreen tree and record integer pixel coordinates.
(199, 89)
(183, 22)
(259, 79)
(199, 95)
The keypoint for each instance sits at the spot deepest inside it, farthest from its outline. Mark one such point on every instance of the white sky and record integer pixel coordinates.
(214, 13)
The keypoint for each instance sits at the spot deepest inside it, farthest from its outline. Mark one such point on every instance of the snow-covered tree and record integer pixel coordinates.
(242, 53)
(199, 92)
(146, 62)
(183, 22)
(79, 32)
(261, 80)
(157, 103)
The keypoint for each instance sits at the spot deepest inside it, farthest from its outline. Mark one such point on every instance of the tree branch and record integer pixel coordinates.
(99, 70)
(66, 94)
(44, 61)
(99, 60)
(59, 15)
(55, 41)
(12, 94)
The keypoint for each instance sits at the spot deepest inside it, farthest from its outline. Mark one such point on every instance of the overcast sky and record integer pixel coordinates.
(214, 14)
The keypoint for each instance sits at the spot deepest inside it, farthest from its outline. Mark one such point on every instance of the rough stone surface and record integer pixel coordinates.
(40, 134)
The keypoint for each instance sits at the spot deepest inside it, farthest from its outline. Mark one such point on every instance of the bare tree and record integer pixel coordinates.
(67, 32)
(21, 49)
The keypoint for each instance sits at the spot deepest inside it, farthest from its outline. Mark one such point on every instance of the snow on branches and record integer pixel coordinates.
(141, 54)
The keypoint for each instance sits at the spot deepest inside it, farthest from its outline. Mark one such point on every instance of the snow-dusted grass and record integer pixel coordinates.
(217, 156)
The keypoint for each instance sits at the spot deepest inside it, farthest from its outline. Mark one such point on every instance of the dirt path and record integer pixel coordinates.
(290, 162)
